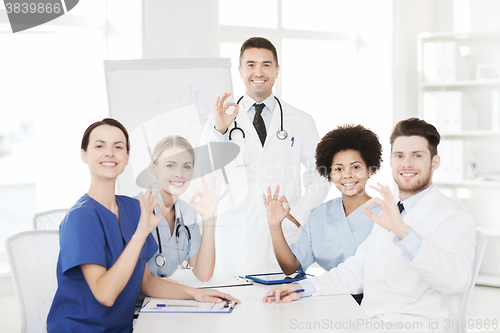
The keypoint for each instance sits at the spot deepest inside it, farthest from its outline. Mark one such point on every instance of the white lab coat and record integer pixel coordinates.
(427, 289)
(243, 235)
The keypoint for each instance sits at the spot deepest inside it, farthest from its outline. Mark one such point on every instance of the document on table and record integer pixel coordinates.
(157, 305)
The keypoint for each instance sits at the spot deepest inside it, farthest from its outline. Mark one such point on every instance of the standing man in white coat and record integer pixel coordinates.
(275, 139)
(416, 265)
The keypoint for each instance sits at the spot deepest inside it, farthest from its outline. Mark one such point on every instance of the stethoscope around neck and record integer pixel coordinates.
(160, 258)
(281, 134)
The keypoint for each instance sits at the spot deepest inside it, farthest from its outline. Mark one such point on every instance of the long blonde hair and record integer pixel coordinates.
(169, 142)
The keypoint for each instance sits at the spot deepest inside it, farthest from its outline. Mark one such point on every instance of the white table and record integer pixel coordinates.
(327, 313)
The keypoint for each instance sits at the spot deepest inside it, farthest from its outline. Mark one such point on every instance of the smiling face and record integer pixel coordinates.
(174, 170)
(106, 153)
(349, 172)
(259, 70)
(412, 165)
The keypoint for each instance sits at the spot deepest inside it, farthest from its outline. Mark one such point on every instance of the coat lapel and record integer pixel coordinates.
(423, 208)
(275, 125)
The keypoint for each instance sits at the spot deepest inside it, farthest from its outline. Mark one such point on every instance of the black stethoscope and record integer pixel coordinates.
(160, 259)
(281, 134)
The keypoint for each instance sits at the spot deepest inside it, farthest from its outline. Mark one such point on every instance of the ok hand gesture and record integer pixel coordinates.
(223, 120)
(276, 209)
(390, 217)
(208, 200)
(148, 220)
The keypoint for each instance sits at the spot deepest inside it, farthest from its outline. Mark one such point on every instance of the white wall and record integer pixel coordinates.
(180, 29)
(414, 16)
(410, 18)
(484, 15)
(123, 32)
(376, 76)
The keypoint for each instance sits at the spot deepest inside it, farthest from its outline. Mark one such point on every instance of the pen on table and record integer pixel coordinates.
(239, 277)
(287, 293)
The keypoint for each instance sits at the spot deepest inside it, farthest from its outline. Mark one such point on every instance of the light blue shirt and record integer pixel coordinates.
(175, 252)
(410, 245)
(329, 237)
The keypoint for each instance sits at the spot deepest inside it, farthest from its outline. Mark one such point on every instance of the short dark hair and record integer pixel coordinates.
(348, 137)
(258, 43)
(417, 127)
(105, 121)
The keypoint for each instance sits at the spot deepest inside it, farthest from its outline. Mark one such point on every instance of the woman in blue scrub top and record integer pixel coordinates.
(346, 156)
(173, 163)
(106, 244)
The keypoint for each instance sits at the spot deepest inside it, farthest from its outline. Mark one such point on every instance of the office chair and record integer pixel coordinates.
(478, 258)
(49, 220)
(33, 260)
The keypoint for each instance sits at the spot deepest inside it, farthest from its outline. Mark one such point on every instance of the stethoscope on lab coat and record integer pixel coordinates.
(281, 134)
(160, 259)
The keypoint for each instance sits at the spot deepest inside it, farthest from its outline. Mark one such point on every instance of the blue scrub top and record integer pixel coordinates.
(172, 250)
(90, 233)
(329, 237)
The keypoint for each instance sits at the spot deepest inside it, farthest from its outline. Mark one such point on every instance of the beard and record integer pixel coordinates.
(410, 189)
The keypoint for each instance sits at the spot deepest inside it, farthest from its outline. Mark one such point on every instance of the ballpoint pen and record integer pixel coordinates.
(177, 305)
(287, 293)
(239, 277)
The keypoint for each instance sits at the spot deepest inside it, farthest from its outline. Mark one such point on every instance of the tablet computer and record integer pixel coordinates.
(277, 278)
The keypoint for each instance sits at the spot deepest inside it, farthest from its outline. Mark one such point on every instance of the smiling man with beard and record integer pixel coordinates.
(417, 262)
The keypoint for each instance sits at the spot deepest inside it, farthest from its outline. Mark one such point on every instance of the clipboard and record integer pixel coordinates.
(186, 306)
(278, 278)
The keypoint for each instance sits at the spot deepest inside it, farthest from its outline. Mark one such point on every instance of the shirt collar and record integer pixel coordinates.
(412, 201)
(248, 102)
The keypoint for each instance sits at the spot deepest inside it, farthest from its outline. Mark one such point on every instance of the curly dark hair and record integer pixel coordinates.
(348, 137)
